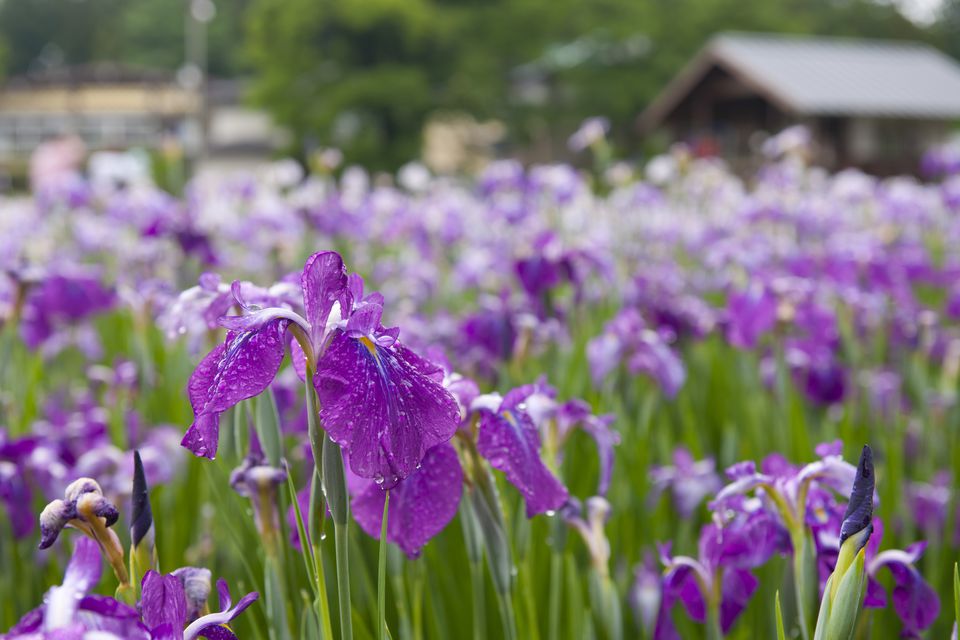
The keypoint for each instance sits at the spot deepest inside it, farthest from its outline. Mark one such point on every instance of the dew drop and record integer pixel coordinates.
(550, 513)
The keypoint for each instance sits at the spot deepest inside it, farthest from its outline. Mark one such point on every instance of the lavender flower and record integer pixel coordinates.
(689, 481)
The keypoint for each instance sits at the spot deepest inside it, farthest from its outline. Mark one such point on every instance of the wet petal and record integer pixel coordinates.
(241, 369)
(421, 505)
(380, 407)
(323, 280)
(511, 443)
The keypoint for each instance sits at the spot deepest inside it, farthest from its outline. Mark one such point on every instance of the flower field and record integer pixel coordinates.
(622, 403)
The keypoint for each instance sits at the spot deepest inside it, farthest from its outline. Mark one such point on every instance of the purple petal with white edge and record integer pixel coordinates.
(103, 613)
(511, 443)
(31, 622)
(162, 601)
(606, 438)
(226, 614)
(83, 573)
(742, 486)
(257, 319)
(915, 601)
(218, 632)
(245, 367)
(364, 320)
(323, 280)
(421, 505)
(380, 407)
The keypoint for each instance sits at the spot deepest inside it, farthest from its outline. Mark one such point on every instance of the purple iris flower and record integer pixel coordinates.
(720, 578)
(509, 439)
(15, 490)
(62, 300)
(380, 401)
(165, 608)
(915, 602)
(646, 593)
(627, 338)
(792, 493)
(168, 604)
(689, 481)
(750, 315)
(930, 502)
(421, 505)
(69, 610)
(556, 421)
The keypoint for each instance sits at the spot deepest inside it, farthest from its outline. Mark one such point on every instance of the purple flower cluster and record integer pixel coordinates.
(773, 510)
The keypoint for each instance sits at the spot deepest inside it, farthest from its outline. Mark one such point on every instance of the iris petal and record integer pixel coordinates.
(378, 405)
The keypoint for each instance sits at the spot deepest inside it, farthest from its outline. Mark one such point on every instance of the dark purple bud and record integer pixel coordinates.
(859, 514)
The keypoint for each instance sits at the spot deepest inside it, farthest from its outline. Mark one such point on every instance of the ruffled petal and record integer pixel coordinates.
(83, 573)
(381, 408)
(242, 368)
(162, 601)
(511, 443)
(421, 505)
(227, 613)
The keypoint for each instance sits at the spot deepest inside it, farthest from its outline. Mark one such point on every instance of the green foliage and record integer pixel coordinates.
(364, 75)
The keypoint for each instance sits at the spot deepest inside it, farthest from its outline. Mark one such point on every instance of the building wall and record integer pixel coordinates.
(104, 116)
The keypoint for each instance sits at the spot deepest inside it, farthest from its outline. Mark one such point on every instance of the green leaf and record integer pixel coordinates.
(781, 634)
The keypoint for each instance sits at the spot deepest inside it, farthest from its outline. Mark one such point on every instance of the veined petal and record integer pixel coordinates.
(421, 505)
(162, 601)
(242, 368)
(226, 614)
(257, 319)
(380, 407)
(737, 586)
(83, 573)
(511, 443)
(323, 280)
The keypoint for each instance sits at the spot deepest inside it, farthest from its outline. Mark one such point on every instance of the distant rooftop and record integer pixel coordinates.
(828, 76)
(93, 73)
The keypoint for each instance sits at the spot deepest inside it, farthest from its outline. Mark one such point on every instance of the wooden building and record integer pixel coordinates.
(871, 104)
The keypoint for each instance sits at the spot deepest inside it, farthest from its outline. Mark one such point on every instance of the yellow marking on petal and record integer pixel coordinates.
(371, 347)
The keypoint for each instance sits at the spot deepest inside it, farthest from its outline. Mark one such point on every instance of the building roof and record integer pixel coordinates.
(826, 76)
(91, 74)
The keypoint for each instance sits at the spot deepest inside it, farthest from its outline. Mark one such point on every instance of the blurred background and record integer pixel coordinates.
(210, 85)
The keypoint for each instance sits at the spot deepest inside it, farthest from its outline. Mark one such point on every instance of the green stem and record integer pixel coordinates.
(343, 580)
(322, 599)
(317, 510)
(382, 573)
(479, 601)
(335, 489)
(804, 568)
(714, 631)
(556, 584)
(507, 616)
